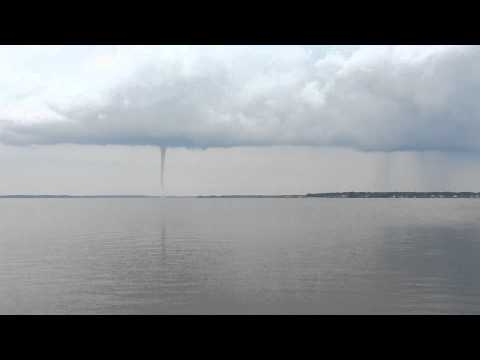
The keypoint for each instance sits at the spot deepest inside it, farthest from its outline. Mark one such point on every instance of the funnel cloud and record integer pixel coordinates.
(162, 168)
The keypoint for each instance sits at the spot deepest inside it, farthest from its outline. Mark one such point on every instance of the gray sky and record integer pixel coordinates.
(238, 119)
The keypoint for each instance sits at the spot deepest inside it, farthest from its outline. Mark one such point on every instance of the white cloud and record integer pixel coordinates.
(369, 98)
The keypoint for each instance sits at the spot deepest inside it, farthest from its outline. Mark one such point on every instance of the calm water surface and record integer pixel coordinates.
(267, 256)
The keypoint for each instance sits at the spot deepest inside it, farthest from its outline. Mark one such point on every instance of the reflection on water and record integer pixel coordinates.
(164, 245)
(239, 256)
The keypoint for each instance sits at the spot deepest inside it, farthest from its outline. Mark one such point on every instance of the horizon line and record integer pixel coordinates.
(305, 195)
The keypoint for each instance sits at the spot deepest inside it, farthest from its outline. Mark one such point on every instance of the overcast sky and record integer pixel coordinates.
(239, 119)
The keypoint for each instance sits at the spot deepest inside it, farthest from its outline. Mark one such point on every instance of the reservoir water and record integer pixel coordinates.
(239, 256)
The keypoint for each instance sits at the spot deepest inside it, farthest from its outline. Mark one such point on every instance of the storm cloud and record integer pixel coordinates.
(369, 98)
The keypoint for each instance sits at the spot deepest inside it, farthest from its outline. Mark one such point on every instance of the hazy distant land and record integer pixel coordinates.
(395, 194)
(357, 195)
(352, 194)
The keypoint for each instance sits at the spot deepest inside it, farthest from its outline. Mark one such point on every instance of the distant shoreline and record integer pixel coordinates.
(364, 195)
(331, 195)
